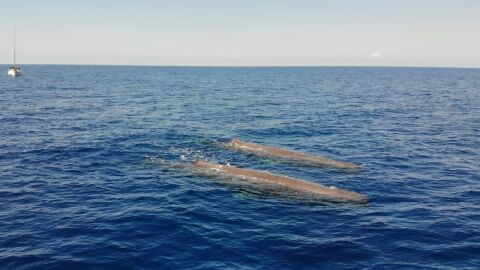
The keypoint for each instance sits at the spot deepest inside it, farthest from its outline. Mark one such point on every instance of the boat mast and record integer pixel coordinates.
(14, 54)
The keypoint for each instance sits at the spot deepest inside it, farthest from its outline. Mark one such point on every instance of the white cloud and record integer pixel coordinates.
(376, 55)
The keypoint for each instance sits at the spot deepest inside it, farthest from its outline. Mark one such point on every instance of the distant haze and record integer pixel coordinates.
(243, 32)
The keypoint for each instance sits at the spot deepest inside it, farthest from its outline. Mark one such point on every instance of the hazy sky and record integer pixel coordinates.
(243, 32)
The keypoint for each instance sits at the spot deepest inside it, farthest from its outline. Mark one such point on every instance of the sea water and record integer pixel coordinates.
(81, 186)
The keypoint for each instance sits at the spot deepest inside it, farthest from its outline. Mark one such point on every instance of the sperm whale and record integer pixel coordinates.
(297, 185)
(287, 154)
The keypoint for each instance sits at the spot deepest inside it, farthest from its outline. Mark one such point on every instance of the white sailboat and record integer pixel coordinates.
(14, 70)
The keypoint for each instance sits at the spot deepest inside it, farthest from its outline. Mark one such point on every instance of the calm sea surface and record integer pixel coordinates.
(81, 186)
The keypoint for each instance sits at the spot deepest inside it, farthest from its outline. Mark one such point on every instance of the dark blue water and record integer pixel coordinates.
(80, 188)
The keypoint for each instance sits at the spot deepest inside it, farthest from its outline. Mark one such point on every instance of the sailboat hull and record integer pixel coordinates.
(14, 72)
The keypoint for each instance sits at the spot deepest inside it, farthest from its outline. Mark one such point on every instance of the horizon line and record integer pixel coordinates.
(247, 66)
